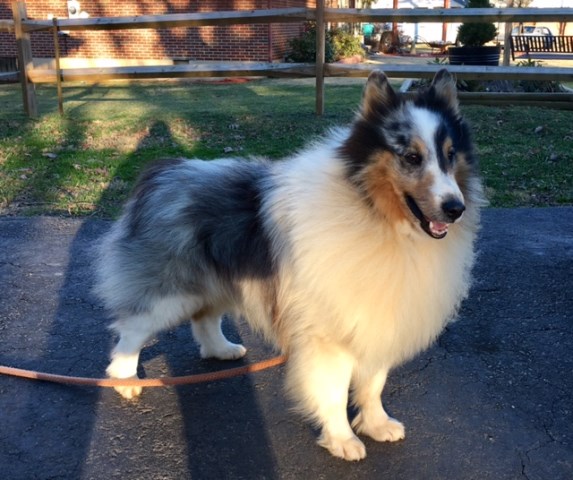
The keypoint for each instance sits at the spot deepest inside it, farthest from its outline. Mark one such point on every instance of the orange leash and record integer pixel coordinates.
(145, 382)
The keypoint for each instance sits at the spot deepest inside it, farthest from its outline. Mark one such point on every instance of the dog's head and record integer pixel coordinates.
(412, 159)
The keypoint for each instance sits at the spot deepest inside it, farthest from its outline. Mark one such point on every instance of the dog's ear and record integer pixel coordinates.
(379, 98)
(444, 88)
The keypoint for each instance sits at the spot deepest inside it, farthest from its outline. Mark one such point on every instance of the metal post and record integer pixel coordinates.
(320, 56)
(58, 69)
(445, 25)
(25, 61)
(507, 38)
(395, 35)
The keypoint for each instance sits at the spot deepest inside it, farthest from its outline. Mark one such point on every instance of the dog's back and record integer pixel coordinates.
(189, 227)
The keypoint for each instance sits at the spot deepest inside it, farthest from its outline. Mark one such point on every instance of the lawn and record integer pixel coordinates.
(85, 162)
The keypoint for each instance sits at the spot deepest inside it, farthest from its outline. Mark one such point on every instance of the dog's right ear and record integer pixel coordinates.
(444, 88)
(379, 98)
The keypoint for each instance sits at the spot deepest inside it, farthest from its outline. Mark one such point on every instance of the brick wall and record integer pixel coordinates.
(258, 42)
(7, 42)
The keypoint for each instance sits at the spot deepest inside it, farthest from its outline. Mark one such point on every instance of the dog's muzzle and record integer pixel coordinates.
(452, 210)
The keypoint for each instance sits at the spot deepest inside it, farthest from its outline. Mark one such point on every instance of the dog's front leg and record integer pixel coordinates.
(318, 378)
(372, 419)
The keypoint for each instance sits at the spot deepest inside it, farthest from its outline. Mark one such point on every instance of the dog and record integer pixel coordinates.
(351, 256)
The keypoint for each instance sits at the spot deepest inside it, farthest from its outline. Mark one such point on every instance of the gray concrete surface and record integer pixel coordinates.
(493, 399)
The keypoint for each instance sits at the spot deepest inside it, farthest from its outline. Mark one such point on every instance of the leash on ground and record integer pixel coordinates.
(145, 382)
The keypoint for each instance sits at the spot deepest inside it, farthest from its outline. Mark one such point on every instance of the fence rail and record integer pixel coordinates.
(227, 69)
(284, 15)
(6, 25)
(294, 70)
(30, 75)
(464, 72)
(445, 15)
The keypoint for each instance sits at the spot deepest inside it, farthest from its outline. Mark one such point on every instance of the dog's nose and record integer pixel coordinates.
(453, 208)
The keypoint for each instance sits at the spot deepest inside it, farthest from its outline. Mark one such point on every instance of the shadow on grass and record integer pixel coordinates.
(108, 134)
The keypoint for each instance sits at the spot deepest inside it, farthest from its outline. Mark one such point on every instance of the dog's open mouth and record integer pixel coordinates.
(431, 227)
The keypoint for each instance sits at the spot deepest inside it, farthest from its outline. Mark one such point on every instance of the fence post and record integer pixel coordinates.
(320, 56)
(25, 61)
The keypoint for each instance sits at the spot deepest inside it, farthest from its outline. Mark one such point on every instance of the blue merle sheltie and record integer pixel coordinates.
(350, 256)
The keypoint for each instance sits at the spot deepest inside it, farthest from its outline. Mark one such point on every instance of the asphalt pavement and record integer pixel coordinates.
(492, 399)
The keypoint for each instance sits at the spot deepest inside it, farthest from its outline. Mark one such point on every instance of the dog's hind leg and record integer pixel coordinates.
(318, 378)
(125, 355)
(372, 419)
(135, 330)
(206, 327)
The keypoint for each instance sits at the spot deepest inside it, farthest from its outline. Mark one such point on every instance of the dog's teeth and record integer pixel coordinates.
(438, 227)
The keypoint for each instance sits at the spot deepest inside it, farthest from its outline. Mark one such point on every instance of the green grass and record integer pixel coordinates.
(86, 162)
(526, 155)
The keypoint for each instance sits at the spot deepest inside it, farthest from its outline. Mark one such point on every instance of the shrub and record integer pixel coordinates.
(537, 86)
(542, 86)
(476, 34)
(303, 48)
(345, 44)
(338, 44)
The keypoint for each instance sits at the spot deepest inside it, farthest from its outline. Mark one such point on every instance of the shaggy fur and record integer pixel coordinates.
(351, 256)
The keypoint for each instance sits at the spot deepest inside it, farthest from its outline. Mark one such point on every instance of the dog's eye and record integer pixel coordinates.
(413, 158)
(451, 154)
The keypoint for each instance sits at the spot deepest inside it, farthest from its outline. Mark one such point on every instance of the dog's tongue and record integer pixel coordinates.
(438, 228)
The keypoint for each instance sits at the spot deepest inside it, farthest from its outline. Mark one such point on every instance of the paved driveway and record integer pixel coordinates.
(493, 399)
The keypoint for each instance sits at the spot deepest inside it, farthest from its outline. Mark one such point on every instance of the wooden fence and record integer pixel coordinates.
(30, 75)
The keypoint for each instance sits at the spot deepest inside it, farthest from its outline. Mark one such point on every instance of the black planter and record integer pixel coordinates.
(488, 55)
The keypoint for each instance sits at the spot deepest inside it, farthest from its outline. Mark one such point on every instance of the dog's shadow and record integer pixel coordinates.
(218, 424)
(223, 427)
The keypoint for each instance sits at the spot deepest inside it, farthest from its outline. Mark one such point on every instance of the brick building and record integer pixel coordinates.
(257, 42)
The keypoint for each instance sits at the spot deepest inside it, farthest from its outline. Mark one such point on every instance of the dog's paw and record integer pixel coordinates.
(229, 351)
(122, 367)
(390, 430)
(129, 393)
(351, 449)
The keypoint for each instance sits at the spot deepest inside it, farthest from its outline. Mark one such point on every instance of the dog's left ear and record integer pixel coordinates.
(444, 88)
(379, 98)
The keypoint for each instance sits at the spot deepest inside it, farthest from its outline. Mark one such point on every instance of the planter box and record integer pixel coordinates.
(488, 55)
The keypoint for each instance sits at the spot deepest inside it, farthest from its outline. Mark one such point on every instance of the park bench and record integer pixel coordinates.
(541, 43)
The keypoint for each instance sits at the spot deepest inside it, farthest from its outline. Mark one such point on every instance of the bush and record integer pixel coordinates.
(303, 48)
(529, 86)
(338, 44)
(476, 34)
(345, 44)
(542, 86)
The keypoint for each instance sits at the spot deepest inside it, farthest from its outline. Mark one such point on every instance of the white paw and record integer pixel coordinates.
(229, 351)
(129, 393)
(121, 367)
(390, 430)
(351, 449)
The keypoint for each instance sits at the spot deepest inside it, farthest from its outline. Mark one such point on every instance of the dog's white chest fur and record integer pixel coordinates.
(382, 291)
